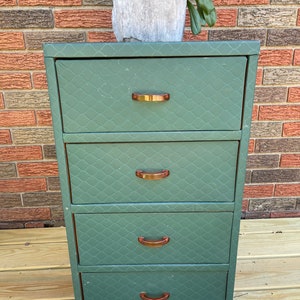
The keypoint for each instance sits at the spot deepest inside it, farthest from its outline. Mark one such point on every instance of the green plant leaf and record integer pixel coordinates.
(206, 5)
(211, 18)
(195, 18)
(200, 11)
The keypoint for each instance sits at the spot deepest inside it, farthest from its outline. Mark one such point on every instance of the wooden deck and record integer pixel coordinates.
(34, 262)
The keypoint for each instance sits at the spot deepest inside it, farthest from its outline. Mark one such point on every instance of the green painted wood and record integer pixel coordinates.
(103, 129)
(92, 50)
(205, 94)
(162, 136)
(153, 207)
(199, 171)
(113, 238)
(180, 285)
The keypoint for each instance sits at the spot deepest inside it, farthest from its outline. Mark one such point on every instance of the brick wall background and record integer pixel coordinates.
(29, 186)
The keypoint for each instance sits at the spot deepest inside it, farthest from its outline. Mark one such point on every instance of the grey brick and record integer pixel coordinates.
(284, 2)
(9, 200)
(35, 40)
(273, 204)
(298, 204)
(53, 184)
(277, 145)
(7, 170)
(57, 215)
(49, 152)
(266, 129)
(282, 76)
(238, 34)
(262, 161)
(267, 17)
(270, 94)
(42, 199)
(256, 215)
(248, 176)
(35, 18)
(27, 100)
(98, 2)
(33, 136)
(276, 175)
(283, 37)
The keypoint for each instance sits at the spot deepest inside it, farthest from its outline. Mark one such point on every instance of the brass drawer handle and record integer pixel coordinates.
(154, 243)
(152, 175)
(150, 97)
(164, 296)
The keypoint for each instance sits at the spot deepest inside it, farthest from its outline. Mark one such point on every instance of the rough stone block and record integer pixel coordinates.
(274, 204)
(35, 40)
(283, 37)
(270, 94)
(267, 17)
(27, 100)
(35, 18)
(283, 76)
(266, 129)
(33, 136)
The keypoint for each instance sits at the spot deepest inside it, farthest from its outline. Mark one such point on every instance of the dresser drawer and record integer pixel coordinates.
(198, 171)
(206, 93)
(180, 285)
(128, 238)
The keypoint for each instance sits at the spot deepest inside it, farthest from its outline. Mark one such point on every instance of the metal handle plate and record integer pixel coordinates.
(152, 175)
(164, 296)
(154, 243)
(150, 97)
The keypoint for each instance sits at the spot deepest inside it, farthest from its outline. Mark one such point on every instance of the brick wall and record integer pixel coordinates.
(29, 187)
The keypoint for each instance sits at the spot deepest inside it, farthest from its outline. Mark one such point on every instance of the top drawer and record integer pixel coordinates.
(206, 93)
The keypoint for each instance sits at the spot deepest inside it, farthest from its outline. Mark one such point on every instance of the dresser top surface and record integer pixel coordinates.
(157, 49)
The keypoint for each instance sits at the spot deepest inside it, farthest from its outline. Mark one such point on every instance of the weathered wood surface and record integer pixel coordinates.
(149, 20)
(34, 263)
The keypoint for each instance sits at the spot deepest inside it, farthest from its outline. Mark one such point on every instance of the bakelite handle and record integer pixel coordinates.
(150, 97)
(152, 175)
(154, 243)
(164, 296)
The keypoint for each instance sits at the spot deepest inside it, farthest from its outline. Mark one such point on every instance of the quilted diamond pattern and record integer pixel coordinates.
(206, 94)
(199, 171)
(194, 238)
(180, 285)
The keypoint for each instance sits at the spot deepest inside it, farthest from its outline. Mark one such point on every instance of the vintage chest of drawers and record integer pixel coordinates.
(152, 142)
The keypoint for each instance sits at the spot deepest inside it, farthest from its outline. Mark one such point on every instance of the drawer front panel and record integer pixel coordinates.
(198, 171)
(193, 238)
(205, 93)
(180, 285)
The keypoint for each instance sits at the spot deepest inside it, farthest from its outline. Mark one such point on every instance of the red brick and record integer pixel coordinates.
(5, 137)
(291, 129)
(27, 61)
(258, 191)
(34, 225)
(290, 161)
(8, 2)
(21, 153)
(44, 117)
(251, 146)
(38, 169)
(294, 94)
(259, 76)
(279, 112)
(15, 81)
(189, 36)
(49, 2)
(24, 214)
(83, 18)
(287, 190)
(23, 185)
(239, 2)
(17, 118)
(245, 205)
(226, 18)
(297, 58)
(255, 112)
(285, 214)
(40, 81)
(275, 57)
(12, 41)
(103, 36)
(1, 101)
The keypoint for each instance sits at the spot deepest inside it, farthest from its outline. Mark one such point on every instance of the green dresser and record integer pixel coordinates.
(152, 142)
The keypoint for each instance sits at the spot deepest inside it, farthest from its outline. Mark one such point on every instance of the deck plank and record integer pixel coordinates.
(34, 263)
